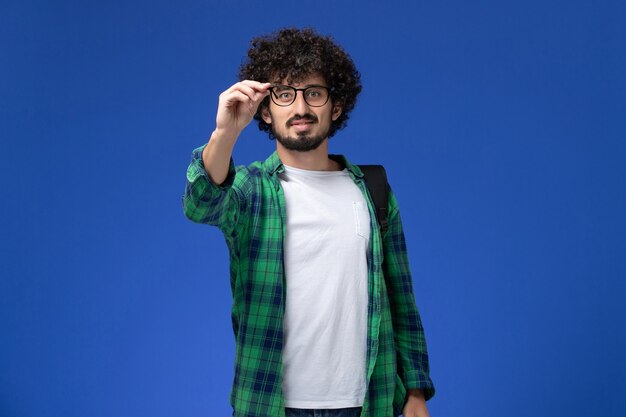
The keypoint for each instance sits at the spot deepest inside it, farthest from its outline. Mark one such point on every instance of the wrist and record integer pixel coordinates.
(224, 135)
(415, 392)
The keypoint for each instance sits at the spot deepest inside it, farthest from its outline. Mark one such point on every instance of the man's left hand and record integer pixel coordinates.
(415, 404)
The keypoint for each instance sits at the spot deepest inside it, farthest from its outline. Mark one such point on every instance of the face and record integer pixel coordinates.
(299, 126)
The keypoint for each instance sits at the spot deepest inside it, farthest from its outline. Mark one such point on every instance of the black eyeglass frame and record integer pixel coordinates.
(273, 95)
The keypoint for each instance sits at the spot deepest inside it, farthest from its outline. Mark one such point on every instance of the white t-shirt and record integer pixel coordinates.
(325, 323)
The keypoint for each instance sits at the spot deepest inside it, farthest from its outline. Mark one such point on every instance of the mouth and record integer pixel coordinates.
(300, 125)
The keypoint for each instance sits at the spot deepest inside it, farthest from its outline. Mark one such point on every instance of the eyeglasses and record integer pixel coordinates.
(285, 95)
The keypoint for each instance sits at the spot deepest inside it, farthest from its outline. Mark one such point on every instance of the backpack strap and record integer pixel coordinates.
(376, 181)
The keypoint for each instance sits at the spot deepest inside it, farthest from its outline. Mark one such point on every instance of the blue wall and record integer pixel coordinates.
(502, 127)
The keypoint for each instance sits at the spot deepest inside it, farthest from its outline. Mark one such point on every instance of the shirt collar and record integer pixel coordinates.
(274, 165)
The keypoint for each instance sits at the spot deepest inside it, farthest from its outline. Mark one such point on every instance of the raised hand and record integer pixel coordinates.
(237, 106)
(235, 110)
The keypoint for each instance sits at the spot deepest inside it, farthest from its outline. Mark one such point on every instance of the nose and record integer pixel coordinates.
(300, 105)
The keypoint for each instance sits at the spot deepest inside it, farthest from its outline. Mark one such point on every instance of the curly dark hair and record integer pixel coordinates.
(292, 54)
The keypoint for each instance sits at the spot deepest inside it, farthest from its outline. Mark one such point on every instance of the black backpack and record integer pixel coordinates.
(376, 181)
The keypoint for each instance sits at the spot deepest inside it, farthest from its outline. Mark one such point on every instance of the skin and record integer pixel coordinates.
(415, 404)
(288, 121)
(236, 108)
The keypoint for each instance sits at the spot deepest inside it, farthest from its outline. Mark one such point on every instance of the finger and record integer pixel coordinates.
(238, 97)
(259, 86)
(248, 91)
(233, 98)
(255, 85)
(256, 91)
(261, 89)
(261, 95)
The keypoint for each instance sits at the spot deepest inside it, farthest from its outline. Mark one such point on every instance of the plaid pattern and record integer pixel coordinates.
(249, 208)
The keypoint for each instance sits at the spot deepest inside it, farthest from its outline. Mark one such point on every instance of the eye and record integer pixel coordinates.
(314, 92)
(283, 93)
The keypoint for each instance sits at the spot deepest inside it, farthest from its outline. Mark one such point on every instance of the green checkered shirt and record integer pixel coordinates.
(249, 208)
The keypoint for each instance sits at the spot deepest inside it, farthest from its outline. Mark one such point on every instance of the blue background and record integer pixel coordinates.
(502, 128)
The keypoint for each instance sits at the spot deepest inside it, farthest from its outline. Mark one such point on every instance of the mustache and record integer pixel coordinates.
(308, 117)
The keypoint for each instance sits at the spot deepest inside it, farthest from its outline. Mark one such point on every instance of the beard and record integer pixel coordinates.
(302, 142)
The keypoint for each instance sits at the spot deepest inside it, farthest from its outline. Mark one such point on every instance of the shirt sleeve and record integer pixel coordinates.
(210, 203)
(410, 341)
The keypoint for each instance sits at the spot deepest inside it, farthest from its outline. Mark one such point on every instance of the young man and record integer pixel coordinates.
(323, 311)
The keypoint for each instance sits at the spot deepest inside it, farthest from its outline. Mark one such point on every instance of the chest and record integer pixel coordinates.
(330, 206)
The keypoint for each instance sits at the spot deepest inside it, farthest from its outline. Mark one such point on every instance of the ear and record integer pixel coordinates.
(265, 114)
(337, 110)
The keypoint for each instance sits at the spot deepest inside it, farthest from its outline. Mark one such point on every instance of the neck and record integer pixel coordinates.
(315, 160)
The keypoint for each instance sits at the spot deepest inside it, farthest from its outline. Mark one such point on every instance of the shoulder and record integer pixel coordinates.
(252, 171)
(253, 178)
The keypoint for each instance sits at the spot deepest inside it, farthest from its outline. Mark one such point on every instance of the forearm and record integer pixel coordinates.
(211, 195)
(216, 155)
(408, 331)
(235, 110)
(206, 202)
